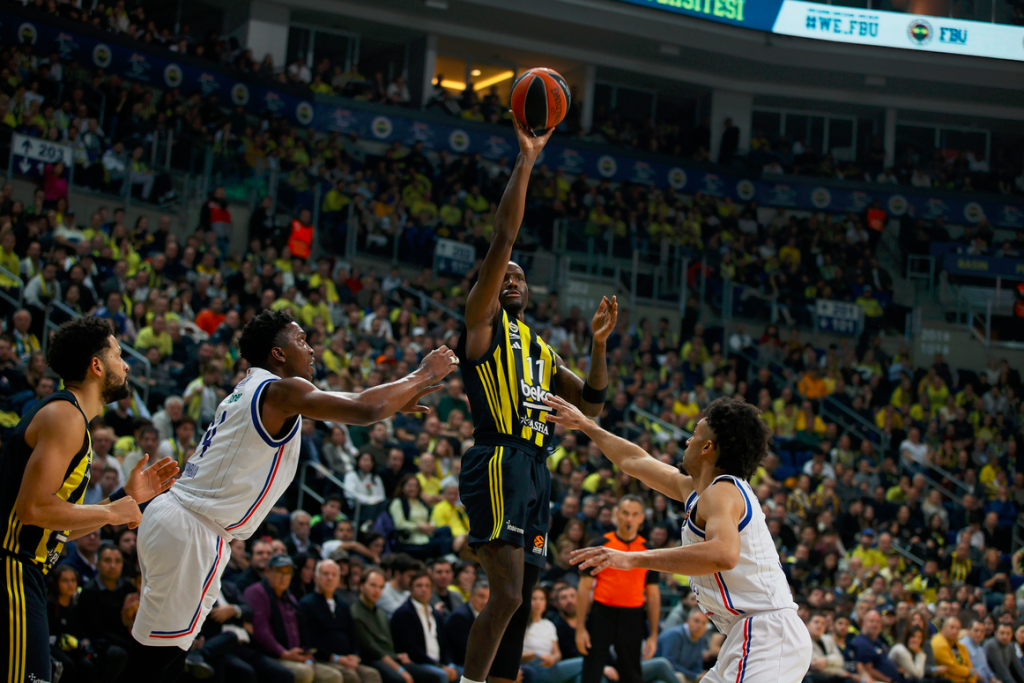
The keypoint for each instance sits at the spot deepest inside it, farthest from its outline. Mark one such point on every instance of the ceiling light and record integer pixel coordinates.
(474, 73)
(453, 85)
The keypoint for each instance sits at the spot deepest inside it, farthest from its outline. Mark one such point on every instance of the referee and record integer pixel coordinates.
(44, 474)
(618, 612)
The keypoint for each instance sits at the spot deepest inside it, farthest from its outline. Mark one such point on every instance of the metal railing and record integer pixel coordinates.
(1018, 535)
(325, 473)
(142, 384)
(651, 419)
(16, 302)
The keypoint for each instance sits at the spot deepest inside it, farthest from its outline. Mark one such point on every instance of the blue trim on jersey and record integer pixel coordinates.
(259, 423)
(693, 528)
(750, 508)
(728, 596)
(688, 499)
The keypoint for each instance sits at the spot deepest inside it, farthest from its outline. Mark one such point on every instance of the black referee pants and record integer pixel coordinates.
(623, 627)
(25, 651)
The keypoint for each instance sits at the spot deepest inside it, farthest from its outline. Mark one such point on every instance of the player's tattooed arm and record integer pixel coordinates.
(296, 396)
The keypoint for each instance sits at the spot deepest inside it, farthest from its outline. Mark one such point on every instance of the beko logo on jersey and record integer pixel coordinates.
(536, 426)
(534, 392)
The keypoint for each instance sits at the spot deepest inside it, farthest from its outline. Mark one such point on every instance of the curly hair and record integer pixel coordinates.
(741, 436)
(261, 334)
(75, 344)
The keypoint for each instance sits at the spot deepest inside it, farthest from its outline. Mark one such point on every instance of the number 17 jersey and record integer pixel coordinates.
(239, 470)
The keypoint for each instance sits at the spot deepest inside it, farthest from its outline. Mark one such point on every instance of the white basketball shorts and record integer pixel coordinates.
(182, 561)
(767, 647)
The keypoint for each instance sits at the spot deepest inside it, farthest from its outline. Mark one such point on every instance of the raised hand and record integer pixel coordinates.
(145, 484)
(413, 406)
(599, 558)
(530, 144)
(604, 319)
(569, 416)
(439, 363)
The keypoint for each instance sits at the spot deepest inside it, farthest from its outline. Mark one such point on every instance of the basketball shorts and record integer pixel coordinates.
(25, 633)
(766, 647)
(505, 485)
(182, 562)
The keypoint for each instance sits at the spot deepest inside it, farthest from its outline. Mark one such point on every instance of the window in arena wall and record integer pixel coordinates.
(928, 138)
(315, 44)
(631, 103)
(822, 132)
(482, 76)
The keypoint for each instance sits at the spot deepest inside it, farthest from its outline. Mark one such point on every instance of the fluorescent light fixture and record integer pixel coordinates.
(493, 80)
(481, 85)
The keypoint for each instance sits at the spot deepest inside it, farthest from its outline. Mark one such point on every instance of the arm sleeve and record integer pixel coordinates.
(263, 635)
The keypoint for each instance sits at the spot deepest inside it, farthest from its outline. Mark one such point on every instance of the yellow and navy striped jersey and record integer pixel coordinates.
(506, 386)
(32, 543)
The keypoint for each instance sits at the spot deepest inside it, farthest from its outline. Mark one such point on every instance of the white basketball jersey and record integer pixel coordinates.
(757, 582)
(238, 470)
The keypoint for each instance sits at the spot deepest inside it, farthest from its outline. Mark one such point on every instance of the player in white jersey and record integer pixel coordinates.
(727, 550)
(243, 465)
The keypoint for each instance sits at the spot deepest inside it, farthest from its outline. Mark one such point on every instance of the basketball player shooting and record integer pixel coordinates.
(726, 548)
(505, 484)
(246, 460)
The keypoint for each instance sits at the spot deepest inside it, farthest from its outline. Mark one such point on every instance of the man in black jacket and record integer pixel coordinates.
(418, 630)
(461, 621)
(331, 629)
(260, 556)
(103, 600)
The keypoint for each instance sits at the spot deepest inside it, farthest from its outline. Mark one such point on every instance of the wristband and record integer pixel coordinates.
(593, 396)
(118, 494)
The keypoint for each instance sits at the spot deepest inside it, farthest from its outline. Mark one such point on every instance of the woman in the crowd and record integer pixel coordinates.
(411, 516)
(542, 658)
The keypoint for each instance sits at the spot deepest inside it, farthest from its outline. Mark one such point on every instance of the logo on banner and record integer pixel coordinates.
(677, 178)
(138, 67)
(381, 127)
(953, 36)
(102, 56)
(897, 205)
(304, 113)
(273, 102)
(745, 190)
(173, 75)
(821, 197)
(606, 166)
(67, 45)
(27, 34)
(240, 94)
(920, 32)
(459, 140)
(208, 83)
(973, 212)
(713, 184)
(1012, 217)
(343, 119)
(642, 173)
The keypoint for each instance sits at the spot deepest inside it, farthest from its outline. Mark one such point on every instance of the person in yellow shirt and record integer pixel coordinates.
(451, 214)
(449, 512)
(322, 278)
(871, 558)
(867, 301)
(812, 386)
(430, 485)
(604, 475)
(9, 261)
(316, 307)
(424, 209)
(951, 654)
(155, 335)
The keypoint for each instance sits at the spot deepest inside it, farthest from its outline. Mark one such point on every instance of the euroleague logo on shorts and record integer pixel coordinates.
(538, 545)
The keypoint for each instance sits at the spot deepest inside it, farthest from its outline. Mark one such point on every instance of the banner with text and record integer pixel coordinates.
(983, 266)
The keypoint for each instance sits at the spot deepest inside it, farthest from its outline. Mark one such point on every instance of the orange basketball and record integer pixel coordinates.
(540, 98)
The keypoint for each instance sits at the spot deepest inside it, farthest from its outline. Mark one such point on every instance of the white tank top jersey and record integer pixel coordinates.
(239, 471)
(757, 582)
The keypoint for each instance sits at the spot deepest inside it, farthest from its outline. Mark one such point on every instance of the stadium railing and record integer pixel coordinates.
(137, 359)
(16, 302)
(324, 473)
